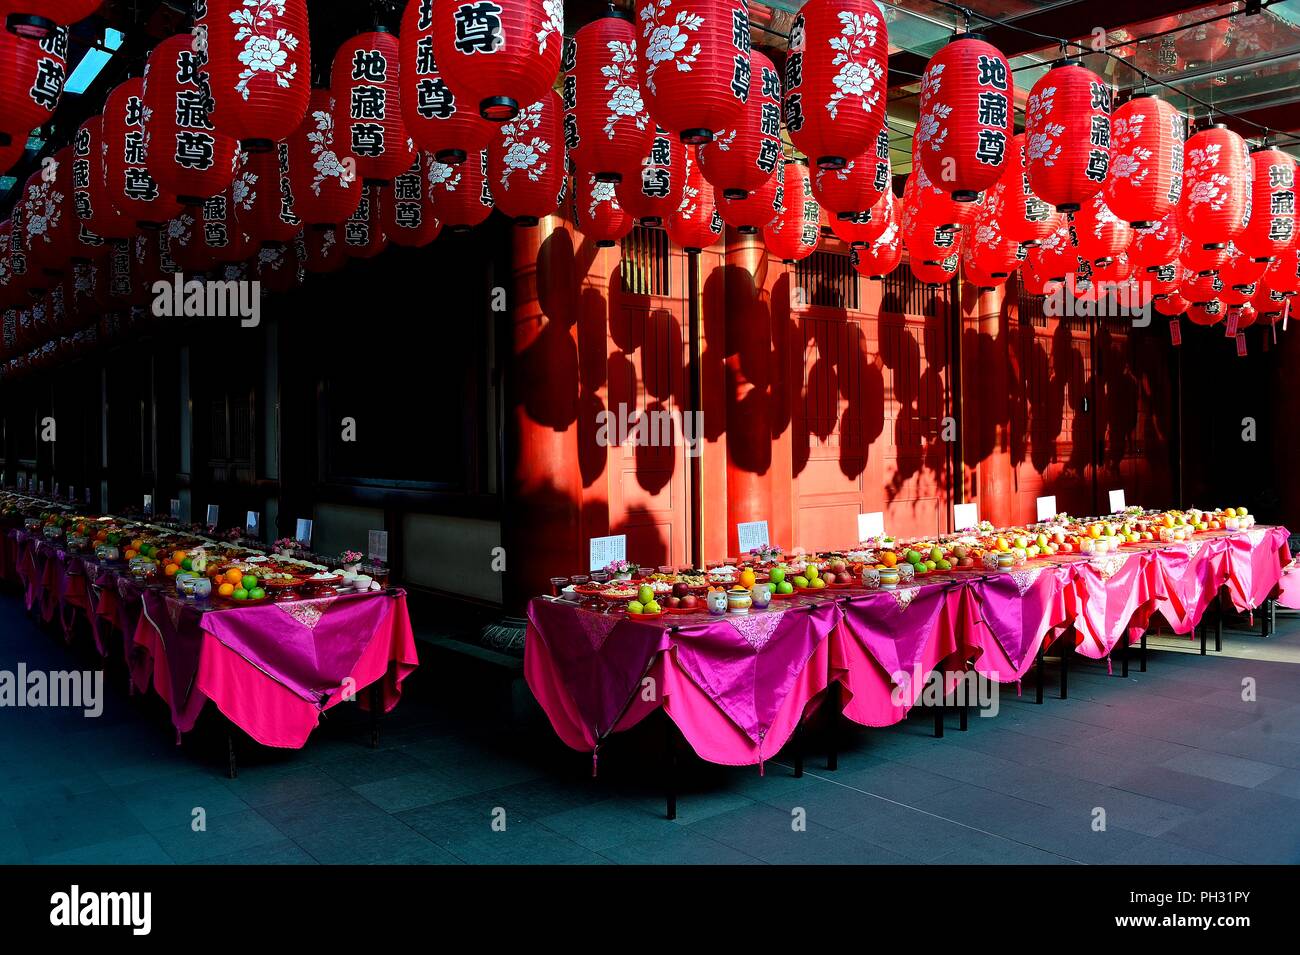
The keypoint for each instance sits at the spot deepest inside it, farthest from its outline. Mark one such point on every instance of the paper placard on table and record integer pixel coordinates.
(1117, 501)
(965, 516)
(251, 524)
(606, 550)
(42, 487)
(148, 504)
(213, 512)
(57, 491)
(176, 506)
(302, 531)
(871, 524)
(377, 546)
(87, 494)
(1046, 508)
(751, 534)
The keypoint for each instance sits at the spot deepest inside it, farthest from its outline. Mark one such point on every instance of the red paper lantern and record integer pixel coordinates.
(743, 158)
(1146, 162)
(927, 242)
(32, 74)
(368, 106)
(1115, 271)
(259, 64)
(1035, 284)
(322, 173)
(461, 196)
(1100, 234)
(1200, 286)
(222, 237)
(1215, 206)
(1245, 315)
(854, 188)
(1158, 243)
(185, 243)
(696, 71)
(526, 170)
(607, 126)
(794, 234)
(133, 192)
(1067, 136)
(877, 259)
(183, 153)
(966, 113)
(409, 219)
(1026, 218)
(866, 227)
(1170, 305)
(989, 251)
(266, 214)
(1200, 258)
(1283, 273)
(1206, 313)
(49, 221)
(935, 273)
(363, 234)
(759, 208)
(497, 55)
(1056, 254)
(1161, 279)
(440, 123)
(596, 211)
(324, 249)
(89, 190)
(1241, 269)
(696, 224)
(932, 206)
(835, 79)
(1272, 226)
(277, 267)
(653, 193)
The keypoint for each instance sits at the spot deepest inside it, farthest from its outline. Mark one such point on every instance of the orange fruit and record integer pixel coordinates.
(888, 558)
(747, 578)
(137, 544)
(235, 576)
(179, 556)
(171, 569)
(130, 552)
(226, 590)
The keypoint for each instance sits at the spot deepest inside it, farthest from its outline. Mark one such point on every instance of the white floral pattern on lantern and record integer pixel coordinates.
(42, 211)
(242, 191)
(858, 76)
(928, 127)
(327, 164)
(1208, 187)
(624, 91)
(665, 40)
(266, 46)
(443, 176)
(1128, 158)
(601, 192)
(524, 152)
(1043, 144)
(552, 22)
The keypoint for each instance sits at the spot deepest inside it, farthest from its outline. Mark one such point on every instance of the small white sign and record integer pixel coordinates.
(176, 508)
(750, 535)
(604, 550)
(42, 487)
(58, 491)
(965, 516)
(377, 546)
(250, 524)
(302, 532)
(1117, 501)
(148, 504)
(1046, 508)
(213, 512)
(87, 495)
(871, 525)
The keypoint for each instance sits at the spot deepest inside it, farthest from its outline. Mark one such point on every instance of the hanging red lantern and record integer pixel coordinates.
(259, 64)
(1268, 304)
(267, 213)
(1033, 283)
(440, 123)
(1055, 255)
(1116, 270)
(879, 258)
(1272, 226)
(1241, 269)
(793, 235)
(461, 195)
(932, 206)
(526, 169)
(40, 18)
(1215, 206)
(1158, 243)
(363, 234)
(1242, 315)
(49, 221)
(696, 223)
(1146, 162)
(928, 242)
(743, 158)
(32, 74)
(134, 193)
(1200, 258)
(759, 208)
(409, 219)
(322, 173)
(89, 190)
(865, 228)
(324, 249)
(184, 154)
(966, 115)
(653, 193)
(935, 273)
(1161, 279)
(836, 69)
(223, 239)
(497, 56)
(1067, 136)
(1027, 218)
(276, 267)
(368, 106)
(1101, 235)
(1206, 313)
(1170, 305)
(977, 274)
(185, 244)
(696, 71)
(1283, 273)
(596, 211)
(1200, 286)
(989, 251)
(607, 126)
(853, 189)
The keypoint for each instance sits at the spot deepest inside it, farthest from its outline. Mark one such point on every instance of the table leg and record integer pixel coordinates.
(1038, 672)
(1065, 667)
(1142, 660)
(798, 750)
(376, 708)
(1270, 617)
(1123, 655)
(1218, 623)
(938, 720)
(670, 769)
(833, 728)
(1204, 631)
(232, 768)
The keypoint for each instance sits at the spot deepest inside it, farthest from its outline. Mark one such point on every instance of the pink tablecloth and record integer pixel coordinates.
(589, 670)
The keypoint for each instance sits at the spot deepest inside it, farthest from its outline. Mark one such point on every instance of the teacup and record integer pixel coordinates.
(716, 601)
(871, 578)
(761, 594)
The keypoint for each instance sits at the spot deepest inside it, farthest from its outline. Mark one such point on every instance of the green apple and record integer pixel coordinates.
(930, 564)
(257, 593)
(645, 593)
(240, 594)
(249, 582)
(636, 607)
(776, 575)
(912, 557)
(817, 583)
(811, 572)
(652, 607)
(936, 554)
(945, 565)
(801, 581)
(785, 587)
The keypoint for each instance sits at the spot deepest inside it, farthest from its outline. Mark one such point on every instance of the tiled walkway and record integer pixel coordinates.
(1184, 770)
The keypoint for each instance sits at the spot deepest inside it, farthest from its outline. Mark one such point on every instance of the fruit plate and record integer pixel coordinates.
(842, 586)
(776, 596)
(699, 609)
(589, 590)
(644, 616)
